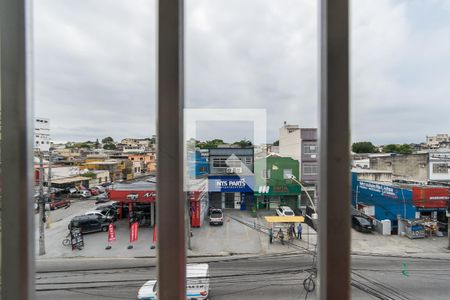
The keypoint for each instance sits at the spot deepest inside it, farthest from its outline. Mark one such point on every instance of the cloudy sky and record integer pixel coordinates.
(94, 66)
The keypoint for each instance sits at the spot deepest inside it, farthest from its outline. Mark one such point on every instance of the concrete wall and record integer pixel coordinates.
(405, 166)
(289, 142)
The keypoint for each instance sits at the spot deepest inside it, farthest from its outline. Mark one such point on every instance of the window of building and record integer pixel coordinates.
(310, 148)
(440, 168)
(287, 173)
(310, 169)
(248, 160)
(219, 163)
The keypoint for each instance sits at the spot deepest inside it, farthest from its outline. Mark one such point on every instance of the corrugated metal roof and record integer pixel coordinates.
(70, 179)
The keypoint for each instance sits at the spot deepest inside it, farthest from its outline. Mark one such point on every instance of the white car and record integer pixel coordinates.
(98, 214)
(285, 211)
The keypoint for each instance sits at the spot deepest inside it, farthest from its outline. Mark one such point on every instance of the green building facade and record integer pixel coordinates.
(273, 183)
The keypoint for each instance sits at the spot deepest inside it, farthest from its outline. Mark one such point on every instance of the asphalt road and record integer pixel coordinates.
(264, 277)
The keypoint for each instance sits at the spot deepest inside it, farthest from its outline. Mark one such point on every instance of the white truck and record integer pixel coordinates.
(197, 285)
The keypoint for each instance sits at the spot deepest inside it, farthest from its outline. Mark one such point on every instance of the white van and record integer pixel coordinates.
(197, 285)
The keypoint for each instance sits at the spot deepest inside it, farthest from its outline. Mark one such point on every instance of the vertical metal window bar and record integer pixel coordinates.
(334, 192)
(16, 154)
(171, 198)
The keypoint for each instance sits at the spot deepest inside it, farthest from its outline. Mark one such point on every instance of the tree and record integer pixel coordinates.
(399, 149)
(210, 144)
(276, 143)
(243, 143)
(109, 146)
(364, 147)
(107, 140)
(391, 148)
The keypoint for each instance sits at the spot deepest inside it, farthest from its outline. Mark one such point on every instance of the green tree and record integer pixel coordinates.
(243, 143)
(210, 144)
(363, 147)
(89, 174)
(276, 143)
(109, 146)
(107, 140)
(405, 149)
(391, 148)
(399, 149)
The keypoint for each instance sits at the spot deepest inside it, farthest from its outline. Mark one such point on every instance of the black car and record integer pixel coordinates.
(361, 224)
(89, 224)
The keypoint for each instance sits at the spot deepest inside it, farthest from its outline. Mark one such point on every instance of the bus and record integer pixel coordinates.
(197, 284)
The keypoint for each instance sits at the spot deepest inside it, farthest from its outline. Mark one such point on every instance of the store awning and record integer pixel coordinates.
(69, 180)
(277, 190)
(285, 219)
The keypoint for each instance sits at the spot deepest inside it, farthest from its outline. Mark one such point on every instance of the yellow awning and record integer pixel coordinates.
(285, 219)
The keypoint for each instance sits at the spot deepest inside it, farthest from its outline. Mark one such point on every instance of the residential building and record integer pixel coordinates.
(301, 144)
(433, 141)
(134, 149)
(148, 159)
(42, 140)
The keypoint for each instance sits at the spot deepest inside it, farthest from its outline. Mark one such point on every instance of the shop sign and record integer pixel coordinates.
(230, 184)
(76, 238)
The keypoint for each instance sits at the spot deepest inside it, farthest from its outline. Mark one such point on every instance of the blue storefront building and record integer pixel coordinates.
(231, 178)
(390, 201)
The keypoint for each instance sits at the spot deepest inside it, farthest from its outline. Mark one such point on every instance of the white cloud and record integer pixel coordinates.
(95, 65)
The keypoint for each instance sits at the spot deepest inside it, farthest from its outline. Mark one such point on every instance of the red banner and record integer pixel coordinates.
(154, 234)
(134, 232)
(111, 233)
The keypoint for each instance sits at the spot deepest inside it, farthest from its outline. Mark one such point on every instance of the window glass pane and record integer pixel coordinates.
(400, 155)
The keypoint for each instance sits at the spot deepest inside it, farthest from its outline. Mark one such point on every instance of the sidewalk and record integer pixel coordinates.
(241, 234)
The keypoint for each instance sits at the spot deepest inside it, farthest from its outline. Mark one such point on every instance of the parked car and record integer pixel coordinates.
(101, 198)
(100, 188)
(109, 209)
(58, 203)
(216, 217)
(89, 224)
(106, 184)
(81, 194)
(110, 215)
(361, 224)
(285, 211)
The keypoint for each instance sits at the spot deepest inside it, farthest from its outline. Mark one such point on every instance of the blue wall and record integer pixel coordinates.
(231, 184)
(389, 200)
(197, 165)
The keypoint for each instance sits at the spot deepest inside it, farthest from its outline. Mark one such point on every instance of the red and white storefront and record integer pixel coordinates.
(130, 196)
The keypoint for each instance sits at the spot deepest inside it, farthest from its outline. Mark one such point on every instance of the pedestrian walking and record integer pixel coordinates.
(270, 235)
(299, 231)
(281, 235)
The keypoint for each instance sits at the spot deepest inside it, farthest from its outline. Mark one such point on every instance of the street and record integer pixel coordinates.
(276, 276)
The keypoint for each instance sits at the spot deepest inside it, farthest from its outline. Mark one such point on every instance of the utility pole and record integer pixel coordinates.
(49, 183)
(41, 205)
